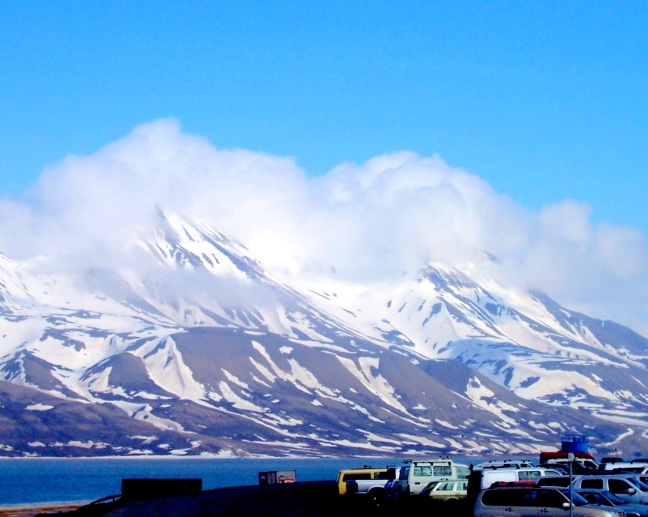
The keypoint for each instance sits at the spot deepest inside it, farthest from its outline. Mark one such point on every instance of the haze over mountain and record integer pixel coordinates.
(162, 296)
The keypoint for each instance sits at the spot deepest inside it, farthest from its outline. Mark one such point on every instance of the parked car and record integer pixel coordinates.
(479, 479)
(626, 488)
(452, 490)
(415, 475)
(519, 501)
(605, 498)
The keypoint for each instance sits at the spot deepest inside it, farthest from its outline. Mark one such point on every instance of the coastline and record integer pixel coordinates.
(31, 510)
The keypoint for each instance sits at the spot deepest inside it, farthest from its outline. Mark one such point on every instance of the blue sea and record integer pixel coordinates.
(49, 480)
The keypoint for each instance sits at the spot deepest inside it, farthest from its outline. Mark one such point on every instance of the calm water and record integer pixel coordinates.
(65, 480)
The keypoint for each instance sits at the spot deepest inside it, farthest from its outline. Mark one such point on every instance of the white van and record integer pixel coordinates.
(488, 476)
(415, 475)
(481, 479)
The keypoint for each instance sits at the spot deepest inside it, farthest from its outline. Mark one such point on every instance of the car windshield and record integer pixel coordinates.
(612, 498)
(596, 497)
(577, 499)
(639, 484)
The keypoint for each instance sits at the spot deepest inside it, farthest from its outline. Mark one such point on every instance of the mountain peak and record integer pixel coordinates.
(196, 339)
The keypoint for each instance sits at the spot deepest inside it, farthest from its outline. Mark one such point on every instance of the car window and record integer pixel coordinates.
(357, 475)
(593, 497)
(551, 481)
(390, 473)
(577, 499)
(619, 486)
(447, 487)
(422, 471)
(526, 475)
(550, 498)
(443, 470)
(612, 498)
(463, 472)
(591, 483)
(639, 484)
(513, 497)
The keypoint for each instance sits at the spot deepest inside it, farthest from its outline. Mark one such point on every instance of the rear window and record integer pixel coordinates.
(463, 472)
(508, 497)
(553, 481)
(390, 473)
(443, 470)
(422, 471)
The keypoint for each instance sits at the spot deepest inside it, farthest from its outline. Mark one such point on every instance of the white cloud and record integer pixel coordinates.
(368, 221)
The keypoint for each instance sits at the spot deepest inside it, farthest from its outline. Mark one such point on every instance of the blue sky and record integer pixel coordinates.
(546, 102)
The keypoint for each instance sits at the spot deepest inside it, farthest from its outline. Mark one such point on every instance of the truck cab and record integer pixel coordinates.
(363, 473)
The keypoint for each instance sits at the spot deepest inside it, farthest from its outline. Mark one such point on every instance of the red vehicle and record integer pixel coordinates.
(583, 461)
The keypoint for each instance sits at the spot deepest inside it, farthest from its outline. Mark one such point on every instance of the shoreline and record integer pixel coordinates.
(207, 457)
(33, 509)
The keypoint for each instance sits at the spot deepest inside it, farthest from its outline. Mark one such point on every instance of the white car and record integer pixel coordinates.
(451, 490)
(415, 475)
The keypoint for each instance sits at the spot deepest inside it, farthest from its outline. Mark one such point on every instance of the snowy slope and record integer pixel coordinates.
(199, 349)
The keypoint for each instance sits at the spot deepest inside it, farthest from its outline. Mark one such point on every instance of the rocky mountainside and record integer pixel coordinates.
(195, 348)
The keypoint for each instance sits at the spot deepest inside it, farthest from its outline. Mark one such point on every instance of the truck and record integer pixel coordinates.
(365, 473)
(373, 489)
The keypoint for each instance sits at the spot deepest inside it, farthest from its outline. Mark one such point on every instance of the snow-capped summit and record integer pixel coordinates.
(194, 347)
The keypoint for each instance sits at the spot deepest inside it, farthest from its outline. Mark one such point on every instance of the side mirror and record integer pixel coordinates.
(632, 491)
(565, 505)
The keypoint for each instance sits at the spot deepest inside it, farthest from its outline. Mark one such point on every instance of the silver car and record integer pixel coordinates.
(534, 502)
(627, 488)
(606, 498)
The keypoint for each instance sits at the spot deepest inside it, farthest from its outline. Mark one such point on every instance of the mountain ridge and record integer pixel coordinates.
(203, 351)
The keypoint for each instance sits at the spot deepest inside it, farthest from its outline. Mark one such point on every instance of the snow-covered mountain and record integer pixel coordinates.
(194, 347)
